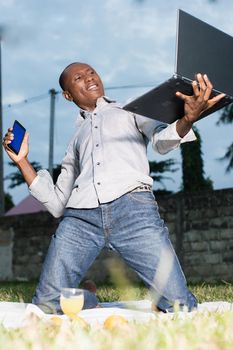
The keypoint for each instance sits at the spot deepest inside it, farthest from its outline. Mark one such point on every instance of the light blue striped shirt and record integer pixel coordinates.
(106, 158)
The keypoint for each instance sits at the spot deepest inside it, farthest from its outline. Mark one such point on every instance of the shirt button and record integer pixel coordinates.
(97, 145)
(98, 183)
(98, 163)
(96, 127)
(95, 113)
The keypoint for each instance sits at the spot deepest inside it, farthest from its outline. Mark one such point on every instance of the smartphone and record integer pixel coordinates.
(19, 132)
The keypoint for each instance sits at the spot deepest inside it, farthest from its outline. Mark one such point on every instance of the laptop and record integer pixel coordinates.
(200, 48)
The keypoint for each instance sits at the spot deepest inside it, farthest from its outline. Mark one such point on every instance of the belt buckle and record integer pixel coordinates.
(142, 188)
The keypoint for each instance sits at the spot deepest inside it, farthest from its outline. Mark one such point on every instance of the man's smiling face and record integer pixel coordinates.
(82, 85)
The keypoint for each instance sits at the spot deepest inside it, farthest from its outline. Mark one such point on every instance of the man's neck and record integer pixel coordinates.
(87, 108)
(91, 107)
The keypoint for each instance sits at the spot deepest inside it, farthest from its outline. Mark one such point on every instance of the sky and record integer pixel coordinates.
(128, 42)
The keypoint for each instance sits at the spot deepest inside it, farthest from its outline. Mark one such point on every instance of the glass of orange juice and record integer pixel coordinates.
(71, 301)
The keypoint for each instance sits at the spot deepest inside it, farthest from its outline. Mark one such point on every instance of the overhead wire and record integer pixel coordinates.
(27, 101)
(46, 95)
(130, 86)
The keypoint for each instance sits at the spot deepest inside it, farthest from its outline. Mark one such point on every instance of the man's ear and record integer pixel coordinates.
(67, 96)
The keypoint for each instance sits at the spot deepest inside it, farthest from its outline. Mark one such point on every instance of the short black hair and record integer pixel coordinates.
(63, 75)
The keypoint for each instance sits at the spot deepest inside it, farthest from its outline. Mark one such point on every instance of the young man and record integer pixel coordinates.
(104, 192)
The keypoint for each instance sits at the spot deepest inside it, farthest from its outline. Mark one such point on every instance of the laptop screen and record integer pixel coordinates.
(202, 48)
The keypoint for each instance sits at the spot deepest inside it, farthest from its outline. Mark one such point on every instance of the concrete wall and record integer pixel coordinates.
(200, 225)
(28, 240)
(203, 227)
(6, 251)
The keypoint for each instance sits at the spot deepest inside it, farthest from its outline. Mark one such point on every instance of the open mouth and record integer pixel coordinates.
(92, 87)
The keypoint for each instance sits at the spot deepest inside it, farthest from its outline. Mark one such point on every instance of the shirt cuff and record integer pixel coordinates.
(34, 182)
(190, 136)
(41, 186)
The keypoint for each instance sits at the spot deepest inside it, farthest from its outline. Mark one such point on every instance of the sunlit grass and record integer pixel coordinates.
(23, 291)
(211, 292)
(17, 291)
(210, 331)
(204, 292)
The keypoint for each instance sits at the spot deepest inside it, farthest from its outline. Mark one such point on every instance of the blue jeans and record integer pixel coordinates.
(131, 225)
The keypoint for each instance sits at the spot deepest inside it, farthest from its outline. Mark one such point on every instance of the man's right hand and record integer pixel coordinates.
(24, 149)
(20, 159)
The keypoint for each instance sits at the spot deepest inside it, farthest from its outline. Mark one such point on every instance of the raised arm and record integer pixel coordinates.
(41, 186)
(166, 137)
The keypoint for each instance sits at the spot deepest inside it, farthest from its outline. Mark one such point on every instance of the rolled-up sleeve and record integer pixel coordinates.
(168, 139)
(164, 137)
(55, 197)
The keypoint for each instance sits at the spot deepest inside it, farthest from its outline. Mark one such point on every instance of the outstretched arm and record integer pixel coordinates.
(196, 104)
(41, 186)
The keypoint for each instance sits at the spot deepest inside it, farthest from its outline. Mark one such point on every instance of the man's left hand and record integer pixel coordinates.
(200, 101)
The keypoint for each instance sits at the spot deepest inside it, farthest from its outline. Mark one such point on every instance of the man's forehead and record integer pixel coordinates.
(76, 67)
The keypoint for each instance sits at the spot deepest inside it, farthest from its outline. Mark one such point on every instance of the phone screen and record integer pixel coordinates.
(19, 132)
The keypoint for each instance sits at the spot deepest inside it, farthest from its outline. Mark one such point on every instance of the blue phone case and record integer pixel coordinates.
(19, 132)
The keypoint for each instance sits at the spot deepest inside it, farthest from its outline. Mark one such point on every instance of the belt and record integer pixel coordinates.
(143, 188)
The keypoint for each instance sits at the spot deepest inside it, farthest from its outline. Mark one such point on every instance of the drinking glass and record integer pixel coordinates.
(71, 301)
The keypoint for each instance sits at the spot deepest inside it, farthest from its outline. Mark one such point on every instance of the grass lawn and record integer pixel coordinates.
(23, 291)
(212, 331)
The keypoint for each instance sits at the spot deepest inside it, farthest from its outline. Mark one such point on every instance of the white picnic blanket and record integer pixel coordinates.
(13, 315)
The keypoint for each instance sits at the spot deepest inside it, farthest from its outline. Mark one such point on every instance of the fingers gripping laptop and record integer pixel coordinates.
(200, 48)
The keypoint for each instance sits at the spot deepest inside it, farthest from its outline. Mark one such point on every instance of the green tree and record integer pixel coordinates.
(227, 118)
(193, 167)
(157, 169)
(16, 178)
(8, 202)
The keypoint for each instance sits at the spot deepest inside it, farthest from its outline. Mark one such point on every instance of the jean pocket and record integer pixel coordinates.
(143, 197)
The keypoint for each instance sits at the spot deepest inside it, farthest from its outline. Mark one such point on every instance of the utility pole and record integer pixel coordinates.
(53, 93)
(2, 196)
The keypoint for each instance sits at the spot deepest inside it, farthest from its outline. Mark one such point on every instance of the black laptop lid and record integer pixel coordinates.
(201, 48)
(205, 49)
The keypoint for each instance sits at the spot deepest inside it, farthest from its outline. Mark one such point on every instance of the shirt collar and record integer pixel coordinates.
(101, 101)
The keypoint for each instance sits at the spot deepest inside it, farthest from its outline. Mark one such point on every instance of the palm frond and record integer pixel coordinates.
(228, 156)
(226, 115)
